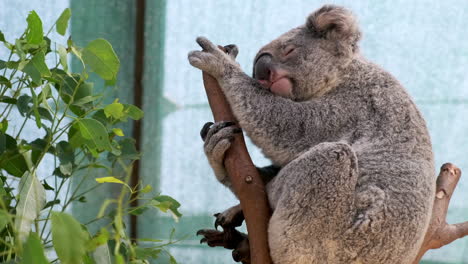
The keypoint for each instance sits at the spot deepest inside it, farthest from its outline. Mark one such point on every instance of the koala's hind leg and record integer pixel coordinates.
(313, 201)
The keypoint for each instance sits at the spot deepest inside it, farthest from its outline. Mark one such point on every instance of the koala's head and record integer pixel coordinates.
(307, 61)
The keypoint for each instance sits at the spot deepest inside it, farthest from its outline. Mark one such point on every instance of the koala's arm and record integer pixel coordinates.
(276, 124)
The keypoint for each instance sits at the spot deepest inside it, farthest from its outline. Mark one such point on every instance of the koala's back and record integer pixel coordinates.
(396, 182)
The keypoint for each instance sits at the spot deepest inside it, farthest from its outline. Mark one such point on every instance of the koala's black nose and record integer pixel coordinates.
(262, 67)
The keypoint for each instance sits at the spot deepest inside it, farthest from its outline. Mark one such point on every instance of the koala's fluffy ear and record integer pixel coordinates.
(336, 24)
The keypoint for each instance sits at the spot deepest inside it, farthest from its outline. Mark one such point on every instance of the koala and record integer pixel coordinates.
(352, 177)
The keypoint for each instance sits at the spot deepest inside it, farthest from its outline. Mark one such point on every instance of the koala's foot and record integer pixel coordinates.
(232, 217)
(230, 239)
(218, 138)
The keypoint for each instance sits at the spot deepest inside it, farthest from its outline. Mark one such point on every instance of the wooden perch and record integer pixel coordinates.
(244, 176)
(439, 232)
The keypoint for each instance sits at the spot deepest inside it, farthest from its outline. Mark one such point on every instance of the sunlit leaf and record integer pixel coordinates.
(62, 21)
(68, 238)
(33, 251)
(98, 240)
(109, 179)
(34, 34)
(31, 201)
(101, 58)
(118, 132)
(114, 110)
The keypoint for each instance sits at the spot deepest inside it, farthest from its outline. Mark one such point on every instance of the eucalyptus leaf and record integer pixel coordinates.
(31, 201)
(11, 160)
(68, 238)
(36, 68)
(23, 104)
(101, 58)
(133, 112)
(102, 254)
(115, 110)
(62, 21)
(2, 37)
(93, 134)
(34, 33)
(4, 81)
(33, 251)
(4, 219)
(166, 203)
(62, 51)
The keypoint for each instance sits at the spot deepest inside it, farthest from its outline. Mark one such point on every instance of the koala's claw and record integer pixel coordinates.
(205, 44)
(232, 50)
(232, 217)
(205, 129)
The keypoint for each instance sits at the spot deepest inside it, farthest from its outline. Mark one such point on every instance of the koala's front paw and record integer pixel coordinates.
(212, 59)
(232, 217)
(218, 138)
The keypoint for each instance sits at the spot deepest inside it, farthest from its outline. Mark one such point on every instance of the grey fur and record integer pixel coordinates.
(357, 176)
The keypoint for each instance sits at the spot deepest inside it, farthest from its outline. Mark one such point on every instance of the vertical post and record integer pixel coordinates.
(137, 100)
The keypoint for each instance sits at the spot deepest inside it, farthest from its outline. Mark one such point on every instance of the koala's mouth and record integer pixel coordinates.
(281, 86)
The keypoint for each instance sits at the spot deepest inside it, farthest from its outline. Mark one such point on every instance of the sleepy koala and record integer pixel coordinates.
(352, 179)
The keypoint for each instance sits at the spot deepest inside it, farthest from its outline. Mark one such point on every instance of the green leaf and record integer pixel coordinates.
(47, 186)
(166, 203)
(98, 240)
(118, 132)
(114, 110)
(90, 133)
(34, 33)
(2, 64)
(62, 21)
(5, 81)
(66, 155)
(147, 189)
(31, 201)
(62, 51)
(68, 238)
(11, 160)
(52, 203)
(37, 68)
(133, 112)
(2, 37)
(3, 127)
(172, 260)
(109, 179)
(23, 104)
(101, 58)
(33, 251)
(4, 219)
(45, 114)
(102, 255)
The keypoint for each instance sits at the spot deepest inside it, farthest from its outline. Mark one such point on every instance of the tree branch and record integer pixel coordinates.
(244, 176)
(439, 232)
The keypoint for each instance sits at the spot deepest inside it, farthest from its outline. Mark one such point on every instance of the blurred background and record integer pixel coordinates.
(423, 43)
